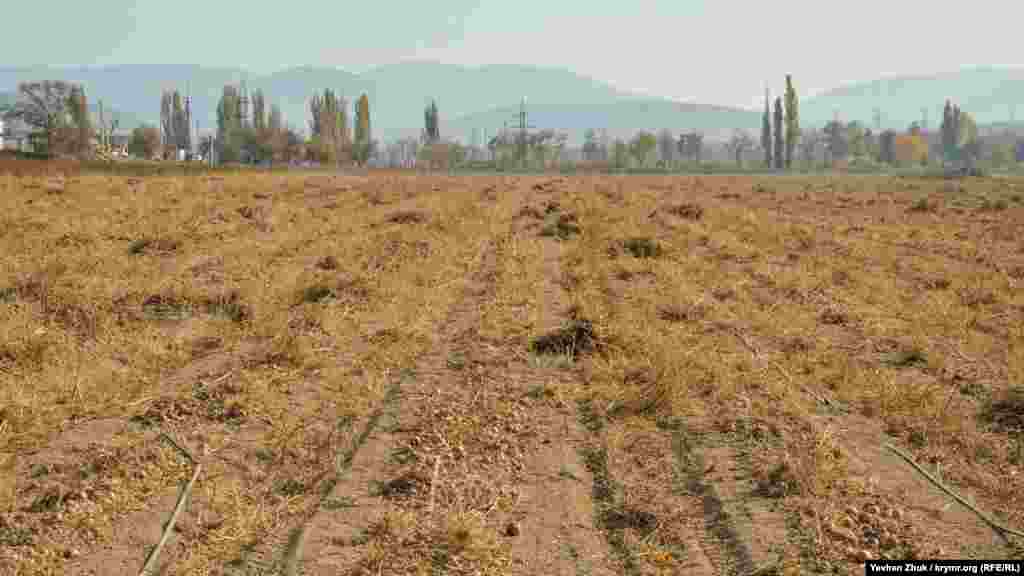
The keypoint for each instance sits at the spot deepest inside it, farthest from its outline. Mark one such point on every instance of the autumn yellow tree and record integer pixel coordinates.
(910, 149)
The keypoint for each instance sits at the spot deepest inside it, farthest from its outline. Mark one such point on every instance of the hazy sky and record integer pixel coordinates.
(709, 52)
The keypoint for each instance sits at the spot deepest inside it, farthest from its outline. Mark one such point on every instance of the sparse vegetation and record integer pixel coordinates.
(733, 368)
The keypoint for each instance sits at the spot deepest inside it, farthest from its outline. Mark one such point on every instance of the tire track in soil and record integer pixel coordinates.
(670, 503)
(557, 509)
(290, 547)
(325, 543)
(653, 530)
(337, 516)
(745, 531)
(525, 452)
(278, 554)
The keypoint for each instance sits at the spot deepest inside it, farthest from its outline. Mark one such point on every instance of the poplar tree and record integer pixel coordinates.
(792, 120)
(361, 148)
(946, 130)
(432, 131)
(259, 115)
(766, 131)
(779, 143)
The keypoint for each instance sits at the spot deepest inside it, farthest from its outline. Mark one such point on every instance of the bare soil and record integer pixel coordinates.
(395, 374)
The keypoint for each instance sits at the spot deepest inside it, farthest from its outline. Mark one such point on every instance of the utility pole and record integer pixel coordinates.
(103, 135)
(523, 126)
(188, 118)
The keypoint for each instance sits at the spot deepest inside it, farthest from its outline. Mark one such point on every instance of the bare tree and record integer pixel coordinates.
(666, 147)
(810, 140)
(691, 145)
(739, 143)
(44, 106)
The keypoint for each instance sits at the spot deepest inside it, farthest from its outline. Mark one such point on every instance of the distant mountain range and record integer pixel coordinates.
(483, 99)
(989, 94)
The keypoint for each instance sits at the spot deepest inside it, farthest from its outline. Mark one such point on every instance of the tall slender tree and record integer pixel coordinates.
(779, 142)
(431, 128)
(947, 133)
(167, 119)
(792, 120)
(229, 122)
(179, 120)
(259, 110)
(316, 107)
(361, 148)
(343, 131)
(766, 130)
(79, 109)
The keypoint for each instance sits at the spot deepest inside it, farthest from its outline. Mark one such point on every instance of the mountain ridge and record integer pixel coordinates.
(485, 97)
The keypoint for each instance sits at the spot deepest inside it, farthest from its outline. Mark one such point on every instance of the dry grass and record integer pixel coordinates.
(249, 315)
(755, 310)
(259, 317)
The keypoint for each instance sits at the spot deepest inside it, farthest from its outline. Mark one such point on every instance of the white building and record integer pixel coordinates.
(14, 135)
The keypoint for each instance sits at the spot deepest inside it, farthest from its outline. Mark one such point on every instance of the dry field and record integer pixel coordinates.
(400, 374)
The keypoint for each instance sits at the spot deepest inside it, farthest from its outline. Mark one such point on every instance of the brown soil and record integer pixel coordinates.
(389, 374)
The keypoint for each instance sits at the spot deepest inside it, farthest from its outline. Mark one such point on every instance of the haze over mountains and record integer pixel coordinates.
(484, 98)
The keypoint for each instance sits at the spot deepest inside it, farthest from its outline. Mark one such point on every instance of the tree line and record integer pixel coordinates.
(58, 114)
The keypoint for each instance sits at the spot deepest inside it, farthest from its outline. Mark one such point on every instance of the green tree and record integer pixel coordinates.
(871, 144)
(779, 141)
(946, 129)
(144, 141)
(45, 107)
(766, 131)
(792, 120)
(1003, 155)
(620, 154)
(259, 110)
(431, 125)
(641, 146)
(229, 121)
(361, 144)
(856, 138)
(590, 145)
(182, 133)
(79, 108)
(329, 142)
